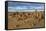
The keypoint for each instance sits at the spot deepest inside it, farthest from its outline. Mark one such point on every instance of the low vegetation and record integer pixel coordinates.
(25, 19)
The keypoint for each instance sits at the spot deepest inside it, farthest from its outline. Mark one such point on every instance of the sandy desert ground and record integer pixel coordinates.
(26, 20)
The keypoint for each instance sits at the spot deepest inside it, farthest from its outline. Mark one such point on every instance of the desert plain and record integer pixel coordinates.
(17, 20)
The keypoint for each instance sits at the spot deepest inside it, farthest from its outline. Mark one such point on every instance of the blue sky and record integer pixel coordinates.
(16, 6)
